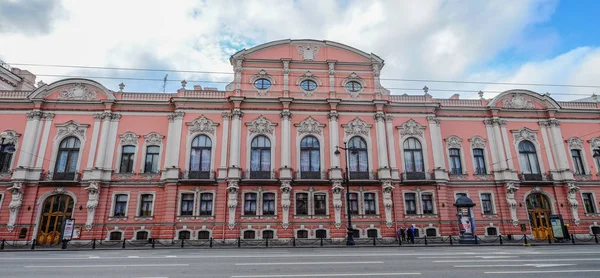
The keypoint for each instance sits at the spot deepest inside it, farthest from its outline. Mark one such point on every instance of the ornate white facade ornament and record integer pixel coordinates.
(308, 76)
(511, 189)
(202, 124)
(232, 201)
(477, 142)
(357, 127)
(524, 134)
(595, 143)
(310, 126)
(286, 189)
(308, 51)
(337, 201)
(575, 143)
(517, 101)
(175, 116)
(129, 138)
(573, 204)
(411, 128)
(262, 74)
(453, 142)
(388, 203)
(10, 137)
(92, 203)
(354, 77)
(16, 190)
(261, 125)
(153, 138)
(78, 91)
(71, 128)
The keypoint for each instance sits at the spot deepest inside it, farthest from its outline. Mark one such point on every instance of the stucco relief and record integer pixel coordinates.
(92, 204)
(71, 128)
(262, 74)
(286, 189)
(524, 134)
(411, 128)
(511, 189)
(10, 137)
(129, 138)
(575, 143)
(78, 91)
(232, 201)
(518, 101)
(354, 77)
(308, 76)
(595, 143)
(357, 127)
(454, 142)
(477, 142)
(16, 190)
(388, 203)
(310, 126)
(202, 124)
(261, 125)
(337, 201)
(153, 139)
(573, 204)
(308, 51)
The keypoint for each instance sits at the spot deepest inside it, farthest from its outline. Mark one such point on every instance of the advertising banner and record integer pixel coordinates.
(69, 227)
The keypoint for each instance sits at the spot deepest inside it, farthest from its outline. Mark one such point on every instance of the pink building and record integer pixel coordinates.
(258, 160)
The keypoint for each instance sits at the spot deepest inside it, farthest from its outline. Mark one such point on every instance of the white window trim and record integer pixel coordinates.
(485, 230)
(268, 229)
(273, 140)
(366, 231)
(311, 209)
(188, 148)
(321, 151)
(17, 147)
(116, 229)
(371, 166)
(114, 203)
(120, 152)
(261, 74)
(361, 202)
(354, 77)
(309, 76)
(423, 143)
(257, 235)
(586, 167)
(195, 205)
(145, 149)
(492, 200)
(307, 192)
(534, 140)
(485, 154)
(55, 146)
(313, 235)
(433, 201)
(308, 232)
(461, 152)
(417, 202)
(259, 202)
(141, 229)
(139, 204)
(581, 192)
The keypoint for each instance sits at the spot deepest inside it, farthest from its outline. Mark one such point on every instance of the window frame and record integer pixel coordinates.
(310, 150)
(592, 194)
(6, 158)
(412, 153)
(135, 234)
(424, 202)
(113, 206)
(246, 200)
(110, 233)
(69, 158)
(180, 203)
(154, 155)
(307, 203)
(325, 203)
(261, 150)
(141, 203)
(243, 234)
(311, 203)
(302, 230)
(455, 158)
(131, 156)
(491, 200)
(202, 149)
(151, 140)
(357, 157)
(479, 158)
(415, 203)
(578, 162)
(528, 154)
(308, 81)
(201, 201)
(263, 87)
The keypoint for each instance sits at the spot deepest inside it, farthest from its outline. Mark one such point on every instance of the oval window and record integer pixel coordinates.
(308, 85)
(262, 84)
(353, 86)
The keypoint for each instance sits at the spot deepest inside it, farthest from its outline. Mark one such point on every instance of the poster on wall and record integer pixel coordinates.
(465, 221)
(68, 230)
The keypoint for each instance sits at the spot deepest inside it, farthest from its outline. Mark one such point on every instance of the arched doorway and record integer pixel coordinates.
(55, 209)
(538, 209)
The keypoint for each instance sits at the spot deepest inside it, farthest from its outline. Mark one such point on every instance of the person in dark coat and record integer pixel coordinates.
(402, 234)
(410, 232)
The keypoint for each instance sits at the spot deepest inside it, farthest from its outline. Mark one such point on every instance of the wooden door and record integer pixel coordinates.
(538, 208)
(55, 210)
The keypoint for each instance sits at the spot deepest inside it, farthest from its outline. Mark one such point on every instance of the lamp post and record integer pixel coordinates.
(350, 240)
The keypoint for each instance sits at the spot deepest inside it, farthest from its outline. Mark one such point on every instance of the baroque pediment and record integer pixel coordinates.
(411, 128)
(261, 125)
(202, 124)
(357, 127)
(73, 90)
(310, 126)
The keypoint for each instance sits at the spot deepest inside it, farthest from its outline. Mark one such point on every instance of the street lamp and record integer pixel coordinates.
(350, 240)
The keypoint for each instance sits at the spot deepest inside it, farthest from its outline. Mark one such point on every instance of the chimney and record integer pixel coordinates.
(197, 88)
(455, 96)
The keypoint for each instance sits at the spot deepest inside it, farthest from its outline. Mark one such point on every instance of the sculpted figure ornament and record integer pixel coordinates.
(310, 126)
(93, 195)
(357, 127)
(411, 128)
(337, 202)
(261, 125)
(388, 203)
(286, 189)
(232, 202)
(308, 51)
(572, 198)
(517, 101)
(17, 190)
(512, 203)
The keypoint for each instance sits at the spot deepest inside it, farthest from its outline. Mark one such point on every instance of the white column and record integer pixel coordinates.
(225, 140)
(331, 77)
(285, 138)
(436, 143)
(511, 165)
(381, 141)
(94, 144)
(499, 143)
(103, 140)
(112, 141)
(38, 137)
(26, 154)
(493, 150)
(550, 153)
(174, 140)
(558, 145)
(47, 126)
(391, 144)
(334, 138)
(236, 128)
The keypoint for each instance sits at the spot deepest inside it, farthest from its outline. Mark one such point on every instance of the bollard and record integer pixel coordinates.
(573, 238)
(2, 246)
(93, 244)
(596, 238)
(322, 242)
(294, 241)
(425, 240)
(182, 241)
(64, 245)
(549, 239)
(476, 237)
(33, 244)
(374, 241)
(239, 243)
(451, 243)
(123, 246)
(153, 240)
(525, 238)
(399, 242)
(267, 242)
(500, 236)
(211, 242)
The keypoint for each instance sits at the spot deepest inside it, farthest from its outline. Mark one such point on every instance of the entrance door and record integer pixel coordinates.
(538, 208)
(56, 208)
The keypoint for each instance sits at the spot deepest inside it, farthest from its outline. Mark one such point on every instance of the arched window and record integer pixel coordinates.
(66, 161)
(200, 158)
(6, 153)
(310, 158)
(430, 232)
(413, 159)
(372, 233)
(260, 158)
(492, 231)
(529, 162)
(479, 161)
(358, 158)
(455, 163)
(127, 155)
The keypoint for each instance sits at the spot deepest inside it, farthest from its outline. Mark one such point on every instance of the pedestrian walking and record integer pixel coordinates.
(403, 234)
(411, 233)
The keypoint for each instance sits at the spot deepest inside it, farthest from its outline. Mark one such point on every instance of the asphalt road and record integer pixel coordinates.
(515, 261)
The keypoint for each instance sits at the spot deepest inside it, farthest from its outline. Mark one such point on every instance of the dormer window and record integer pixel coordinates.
(308, 85)
(262, 84)
(353, 86)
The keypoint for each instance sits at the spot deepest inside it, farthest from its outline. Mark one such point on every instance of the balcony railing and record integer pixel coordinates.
(310, 175)
(63, 176)
(532, 177)
(199, 175)
(260, 175)
(136, 176)
(414, 176)
(356, 175)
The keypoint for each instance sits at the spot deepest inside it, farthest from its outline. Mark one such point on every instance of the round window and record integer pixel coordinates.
(353, 86)
(308, 85)
(262, 84)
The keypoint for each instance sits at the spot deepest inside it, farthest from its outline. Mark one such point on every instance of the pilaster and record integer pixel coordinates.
(224, 146)
(171, 166)
(234, 153)
(26, 154)
(437, 148)
(285, 171)
(335, 172)
(395, 173)
(382, 152)
(44, 142)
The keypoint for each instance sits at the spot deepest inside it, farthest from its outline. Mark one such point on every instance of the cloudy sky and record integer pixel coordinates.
(514, 41)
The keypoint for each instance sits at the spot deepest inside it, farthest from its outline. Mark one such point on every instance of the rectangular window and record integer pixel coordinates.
(127, 159)
(250, 204)
(206, 203)
(269, 204)
(302, 204)
(6, 153)
(427, 200)
(479, 162)
(146, 204)
(410, 203)
(320, 204)
(369, 200)
(455, 165)
(588, 202)
(354, 203)
(120, 205)
(578, 162)
(187, 204)
(151, 165)
(486, 203)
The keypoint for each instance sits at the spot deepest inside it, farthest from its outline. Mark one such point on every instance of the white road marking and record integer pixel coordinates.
(521, 260)
(94, 257)
(329, 275)
(543, 271)
(462, 257)
(309, 263)
(102, 265)
(133, 257)
(513, 265)
(170, 256)
(496, 257)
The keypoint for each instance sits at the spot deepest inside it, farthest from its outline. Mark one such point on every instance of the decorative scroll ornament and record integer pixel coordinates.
(92, 203)
(308, 76)
(16, 190)
(286, 189)
(511, 189)
(354, 77)
(129, 138)
(388, 203)
(477, 142)
(175, 116)
(78, 91)
(308, 51)
(517, 101)
(310, 126)
(357, 127)
(454, 142)
(153, 139)
(232, 202)
(524, 134)
(71, 128)
(575, 143)
(572, 198)
(262, 74)
(261, 125)
(337, 201)
(411, 128)
(202, 124)
(10, 137)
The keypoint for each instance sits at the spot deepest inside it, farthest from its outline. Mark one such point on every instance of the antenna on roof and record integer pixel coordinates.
(165, 83)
